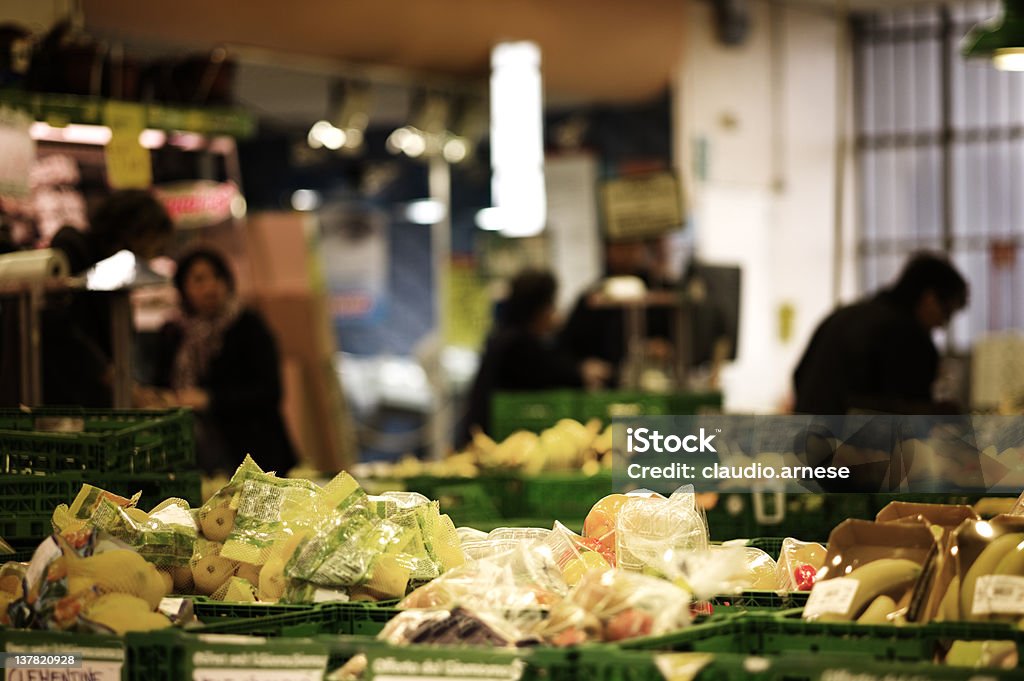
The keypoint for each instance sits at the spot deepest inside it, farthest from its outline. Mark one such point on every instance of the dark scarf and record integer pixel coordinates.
(201, 342)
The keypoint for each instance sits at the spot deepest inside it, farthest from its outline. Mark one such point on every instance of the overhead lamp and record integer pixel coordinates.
(305, 199)
(1000, 39)
(346, 128)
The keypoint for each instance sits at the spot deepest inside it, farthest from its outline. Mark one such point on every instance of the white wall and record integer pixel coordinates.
(765, 197)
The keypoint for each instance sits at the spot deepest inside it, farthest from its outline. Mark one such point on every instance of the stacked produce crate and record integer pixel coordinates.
(47, 454)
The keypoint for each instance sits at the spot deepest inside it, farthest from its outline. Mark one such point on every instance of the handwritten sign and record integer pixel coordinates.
(128, 163)
(257, 675)
(18, 152)
(642, 205)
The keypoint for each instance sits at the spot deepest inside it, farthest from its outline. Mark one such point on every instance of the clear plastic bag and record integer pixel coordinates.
(625, 604)
(798, 563)
(648, 527)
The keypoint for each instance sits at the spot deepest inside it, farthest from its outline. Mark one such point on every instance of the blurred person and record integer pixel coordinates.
(128, 220)
(76, 326)
(519, 354)
(597, 332)
(878, 354)
(221, 359)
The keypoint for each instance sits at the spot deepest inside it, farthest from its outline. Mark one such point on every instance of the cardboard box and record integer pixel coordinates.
(856, 543)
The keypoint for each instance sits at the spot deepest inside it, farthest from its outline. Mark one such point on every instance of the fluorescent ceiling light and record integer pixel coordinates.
(425, 212)
(517, 139)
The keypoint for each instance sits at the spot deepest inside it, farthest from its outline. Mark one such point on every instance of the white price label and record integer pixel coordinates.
(831, 597)
(998, 595)
(257, 675)
(91, 670)
(171, 606)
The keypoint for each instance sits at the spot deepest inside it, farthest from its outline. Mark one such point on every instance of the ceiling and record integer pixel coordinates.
(595, 50)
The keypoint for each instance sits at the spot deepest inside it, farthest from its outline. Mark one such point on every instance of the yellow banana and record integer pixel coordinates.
(878, 611)
(985, 564)
(1011, 564)
(949, 606)
(889, 576)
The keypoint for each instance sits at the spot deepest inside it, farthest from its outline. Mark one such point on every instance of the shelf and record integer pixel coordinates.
(61, 110)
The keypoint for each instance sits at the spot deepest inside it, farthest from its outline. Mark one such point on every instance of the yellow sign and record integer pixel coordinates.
(468, 317)
(128, 163)
(787, 316)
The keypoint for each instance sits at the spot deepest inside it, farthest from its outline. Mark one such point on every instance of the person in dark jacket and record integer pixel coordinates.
(593, 331)
(878, 355)
(76, 342)
(221, 359)
(520, 356)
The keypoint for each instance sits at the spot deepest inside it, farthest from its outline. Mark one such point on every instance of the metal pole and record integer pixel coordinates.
(29, 306)
(439, 181)
(121, 348)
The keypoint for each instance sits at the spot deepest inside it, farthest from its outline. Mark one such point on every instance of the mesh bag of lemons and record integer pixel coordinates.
(109, 563)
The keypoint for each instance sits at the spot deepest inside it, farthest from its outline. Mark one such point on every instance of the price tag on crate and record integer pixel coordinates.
(255, 665)
(831, 597)
(394, 668)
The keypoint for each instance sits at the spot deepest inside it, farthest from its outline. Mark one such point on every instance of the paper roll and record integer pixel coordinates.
(39, 265)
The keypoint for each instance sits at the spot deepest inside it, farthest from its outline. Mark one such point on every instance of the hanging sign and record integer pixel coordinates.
(128, 162)
(18, 152)
(639, 206)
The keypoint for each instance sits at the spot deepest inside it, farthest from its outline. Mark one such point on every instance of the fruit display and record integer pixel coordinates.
(643, 566)
(78, 589)
(547, 588)
(568, 445)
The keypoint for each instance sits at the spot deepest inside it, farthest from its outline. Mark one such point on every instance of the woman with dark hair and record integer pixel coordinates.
(519, 354)
(221, 359)
(878, 354)
(128, 220)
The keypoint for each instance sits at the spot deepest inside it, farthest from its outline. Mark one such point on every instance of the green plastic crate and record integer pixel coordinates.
(533, 411)
(209, 611)
(127, 441)
(27, 501)
(173, 655)
(452, 662)
(36, 495)
(608, 404)
(155, 487)
(755, 633)
(682, 404)
(306, 620)
(808, 517)
(564, 495)
(487, 497)
(755, 601)
(599, 663)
